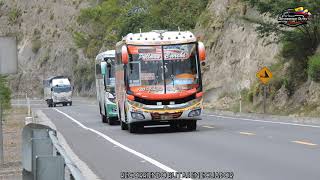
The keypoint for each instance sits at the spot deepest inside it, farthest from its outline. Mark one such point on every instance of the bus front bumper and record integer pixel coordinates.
(111, 110)
(143, 113)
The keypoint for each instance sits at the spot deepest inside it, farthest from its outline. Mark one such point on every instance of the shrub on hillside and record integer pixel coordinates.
(5, 92)
(35, 45)
(314, 67)
(14, 15)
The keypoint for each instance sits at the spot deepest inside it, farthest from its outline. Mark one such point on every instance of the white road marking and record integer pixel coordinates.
(264, 121)
(304, 143)
(247, 133)
(116, 143)
(210, 127)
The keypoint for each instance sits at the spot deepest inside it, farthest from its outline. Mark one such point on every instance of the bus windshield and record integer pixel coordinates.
(163, 69)
(110, 73)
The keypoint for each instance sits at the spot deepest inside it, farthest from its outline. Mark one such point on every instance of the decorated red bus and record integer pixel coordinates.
(158, 80)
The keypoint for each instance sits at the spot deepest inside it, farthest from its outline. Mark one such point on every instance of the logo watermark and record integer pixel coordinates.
(294, 17)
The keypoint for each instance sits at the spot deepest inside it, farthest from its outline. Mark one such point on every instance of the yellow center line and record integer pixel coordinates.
(304, 143)
(210, 127)
(247, 133)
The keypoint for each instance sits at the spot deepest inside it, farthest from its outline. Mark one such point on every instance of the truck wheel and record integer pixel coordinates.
(192, 125)
(124, 126)
(104, 118)
(54, 104)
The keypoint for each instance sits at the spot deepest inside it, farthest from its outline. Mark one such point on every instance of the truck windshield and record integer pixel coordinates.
(152, 67)
(60, 89)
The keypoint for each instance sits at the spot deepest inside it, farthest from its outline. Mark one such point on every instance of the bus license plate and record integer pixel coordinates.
(166, 117)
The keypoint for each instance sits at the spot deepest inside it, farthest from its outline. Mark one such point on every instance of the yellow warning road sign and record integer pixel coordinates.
(264, 75)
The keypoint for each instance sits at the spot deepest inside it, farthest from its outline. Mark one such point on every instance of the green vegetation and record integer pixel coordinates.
(5, 92)
(1, 3)
(35, 45)
(314, 67)
(84, 75)
(14, 15)
(112, 19)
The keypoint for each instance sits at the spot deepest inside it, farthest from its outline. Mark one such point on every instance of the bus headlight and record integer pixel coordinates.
(194, 113)
(136, 115)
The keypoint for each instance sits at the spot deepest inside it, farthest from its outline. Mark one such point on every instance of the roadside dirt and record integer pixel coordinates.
(12, 129)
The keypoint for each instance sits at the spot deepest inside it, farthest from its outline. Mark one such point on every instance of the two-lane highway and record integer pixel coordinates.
(251, 148)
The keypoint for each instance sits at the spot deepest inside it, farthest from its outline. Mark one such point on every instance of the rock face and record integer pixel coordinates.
(44, 32)
(235, 52)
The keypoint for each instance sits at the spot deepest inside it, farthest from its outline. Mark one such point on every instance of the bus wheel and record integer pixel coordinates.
(133, 128)
(124, 126)
(104, 118)
(111, 121)
(192, 125)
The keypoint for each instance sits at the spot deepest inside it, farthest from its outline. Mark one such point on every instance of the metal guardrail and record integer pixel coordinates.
(75, 172)
(43, 156)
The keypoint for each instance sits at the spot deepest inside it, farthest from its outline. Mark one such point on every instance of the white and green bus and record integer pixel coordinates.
(105, 83)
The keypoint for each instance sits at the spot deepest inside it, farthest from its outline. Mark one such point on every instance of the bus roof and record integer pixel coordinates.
(159, 37)
(110, 53)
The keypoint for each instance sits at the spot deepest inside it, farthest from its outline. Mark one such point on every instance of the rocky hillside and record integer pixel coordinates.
(236, 52)
(44, 31)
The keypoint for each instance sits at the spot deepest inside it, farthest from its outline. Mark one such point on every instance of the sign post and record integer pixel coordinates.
(8, 65)
(264, 75)
(1, 136)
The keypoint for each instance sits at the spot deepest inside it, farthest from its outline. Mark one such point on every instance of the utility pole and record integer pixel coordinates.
(264, 98)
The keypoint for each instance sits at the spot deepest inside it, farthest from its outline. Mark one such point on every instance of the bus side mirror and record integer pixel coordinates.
(202, 51)
(124, 55)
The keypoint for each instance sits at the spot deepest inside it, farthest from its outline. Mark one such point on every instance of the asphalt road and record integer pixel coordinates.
(251, 148)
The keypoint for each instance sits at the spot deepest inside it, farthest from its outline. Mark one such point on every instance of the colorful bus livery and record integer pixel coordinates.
(158, 79)
(105, 82)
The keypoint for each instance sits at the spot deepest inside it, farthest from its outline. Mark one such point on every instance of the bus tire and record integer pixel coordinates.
(111, 121)
(174, 125)
(124, 126)
(104, 118)
(133, 128)
(192, 125)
